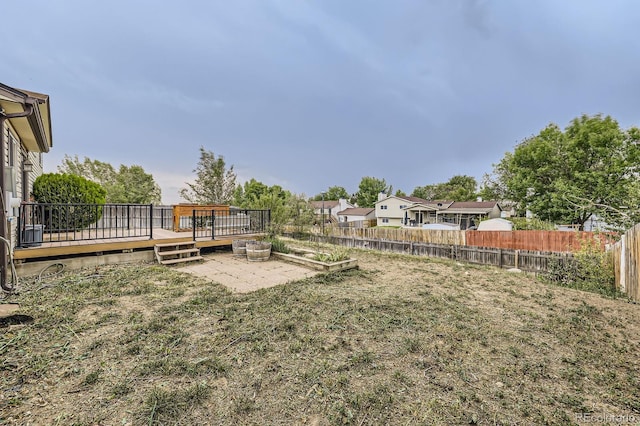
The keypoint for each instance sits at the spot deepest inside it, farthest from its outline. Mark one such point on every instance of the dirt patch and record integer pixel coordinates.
(242, 276)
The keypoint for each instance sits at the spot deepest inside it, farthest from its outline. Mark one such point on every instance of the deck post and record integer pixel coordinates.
(213, 224)
(193, 224)
(20, 225)
(151, 221)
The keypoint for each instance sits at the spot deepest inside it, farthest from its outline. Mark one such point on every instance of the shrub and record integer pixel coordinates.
(590, 269)
(337, 255)
(531, 224)
(74, 200)
(278, 245)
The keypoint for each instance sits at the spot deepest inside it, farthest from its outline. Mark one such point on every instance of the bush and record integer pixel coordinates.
(590, 269)
(337, 255)
(278, 245)
(531, 224)
(74, 198)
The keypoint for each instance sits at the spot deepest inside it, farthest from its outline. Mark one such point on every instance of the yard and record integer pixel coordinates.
(402, 340)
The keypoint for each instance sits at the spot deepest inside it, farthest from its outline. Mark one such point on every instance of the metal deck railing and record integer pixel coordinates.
(212, 224)
(48, 222)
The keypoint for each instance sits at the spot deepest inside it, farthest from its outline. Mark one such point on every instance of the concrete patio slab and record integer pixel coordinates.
(242, 276)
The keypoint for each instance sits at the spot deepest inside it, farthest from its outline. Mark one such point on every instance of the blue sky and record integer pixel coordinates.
(311, 94)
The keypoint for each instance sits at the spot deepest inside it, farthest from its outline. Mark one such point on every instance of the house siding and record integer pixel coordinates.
(393, 213)
(15, 157)
(390, 221)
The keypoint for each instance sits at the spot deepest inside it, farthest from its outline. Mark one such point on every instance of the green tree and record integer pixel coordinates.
(130, 184)
(333, 193)
(301, 213)
(274, 199)
(427, 192)
(400, 193)
(247, 194)
(286, 208)
(491, 189)
(214, 184)
(369, 189)
(96, 171)
(458, 188)
(566, 176)
(135, 186)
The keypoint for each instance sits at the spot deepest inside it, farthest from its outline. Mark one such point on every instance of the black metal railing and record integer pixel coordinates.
(48, 222)
(211, 224)
(53, 222)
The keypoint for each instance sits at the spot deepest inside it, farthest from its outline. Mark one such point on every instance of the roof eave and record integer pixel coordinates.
(40, 121)
(37, 135)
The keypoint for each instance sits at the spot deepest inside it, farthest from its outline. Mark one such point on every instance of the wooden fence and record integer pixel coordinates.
(183, 214)
(369, 223)
(539, 241)
(429, 236)
(626, 261)
(551, 241)
(531, 261)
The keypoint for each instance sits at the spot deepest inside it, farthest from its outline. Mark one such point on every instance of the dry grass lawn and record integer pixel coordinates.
(403, 340)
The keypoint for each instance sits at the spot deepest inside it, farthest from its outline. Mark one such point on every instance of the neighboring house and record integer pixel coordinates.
(413, 211)
(356, 215)
(424, 212)
(331, 208)
(392, 210)
(25, 134)
(469, 213)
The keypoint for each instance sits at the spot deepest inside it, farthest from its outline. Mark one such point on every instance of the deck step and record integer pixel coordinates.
(181, 260)
(174, 252)
(183, 243)
(170, 253)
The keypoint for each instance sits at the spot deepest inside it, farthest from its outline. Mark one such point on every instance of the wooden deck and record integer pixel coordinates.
(114, 245)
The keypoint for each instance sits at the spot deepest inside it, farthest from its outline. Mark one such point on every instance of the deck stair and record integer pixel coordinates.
(170, 253)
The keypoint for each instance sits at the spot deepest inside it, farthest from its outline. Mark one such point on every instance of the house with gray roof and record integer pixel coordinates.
(392, 210)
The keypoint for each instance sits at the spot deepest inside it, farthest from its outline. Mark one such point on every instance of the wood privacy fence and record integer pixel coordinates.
(548, 241)
(429, 236)
(544, 241)
(531, 261)
(626, 261)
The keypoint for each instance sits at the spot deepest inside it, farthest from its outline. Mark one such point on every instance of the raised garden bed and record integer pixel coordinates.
(306, 258)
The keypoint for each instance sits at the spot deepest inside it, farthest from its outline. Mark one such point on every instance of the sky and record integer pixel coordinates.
(312, 94)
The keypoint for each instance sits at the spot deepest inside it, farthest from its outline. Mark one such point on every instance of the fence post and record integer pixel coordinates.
(500, 258)
(151, 221)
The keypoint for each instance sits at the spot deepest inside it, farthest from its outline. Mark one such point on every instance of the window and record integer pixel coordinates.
(403, 206)
(385, 220)
(383, 207)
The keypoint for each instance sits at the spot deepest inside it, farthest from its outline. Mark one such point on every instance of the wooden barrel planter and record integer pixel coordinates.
(239, 247)
(258, 252)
